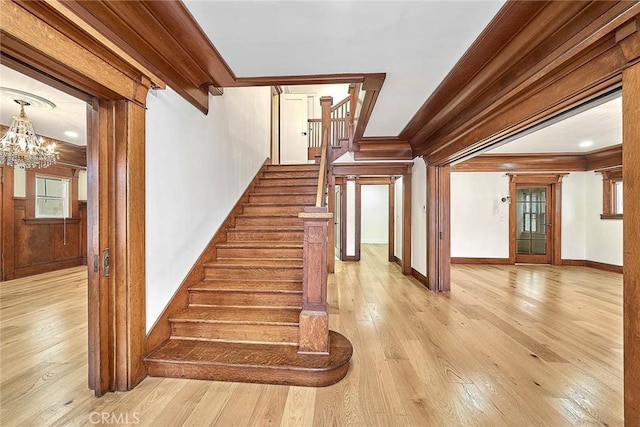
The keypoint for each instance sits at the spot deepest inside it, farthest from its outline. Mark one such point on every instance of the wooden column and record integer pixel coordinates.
(438, 229)
(406, 226)
(631, 260)
(392, 220)
(314, 318)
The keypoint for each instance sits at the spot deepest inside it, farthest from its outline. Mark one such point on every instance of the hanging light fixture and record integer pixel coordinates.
(20, 146)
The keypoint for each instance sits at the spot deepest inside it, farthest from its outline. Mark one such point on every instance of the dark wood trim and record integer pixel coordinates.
(343, 220)
(548, 162)
(34, 269)
(406, 226)
(631, 230)
(331, 248)
(372, 85)
(360, 169)
(419, 276)
(351, 258)
(490, 261)
(50, 221)
(609, 179)
(397, 261)
(564, 55)
(8, 218)
(605, 158)
(392, 219)
(438, 228)
(574, 262)
(378, 180)
(311, 79)
(605, 267)
(610, 216)
(358, 220)
(161, 330)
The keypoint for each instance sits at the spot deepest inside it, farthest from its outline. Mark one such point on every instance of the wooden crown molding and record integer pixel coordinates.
(372, 169)
(70, 154)
(548, 162)
(535, 59)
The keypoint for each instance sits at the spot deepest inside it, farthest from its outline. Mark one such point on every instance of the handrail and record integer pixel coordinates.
(325, 101)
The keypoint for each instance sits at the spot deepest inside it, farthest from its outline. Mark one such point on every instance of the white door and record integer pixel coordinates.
(293, 129)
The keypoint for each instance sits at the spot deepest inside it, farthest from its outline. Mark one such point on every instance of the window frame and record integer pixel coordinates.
(609, 203)
(66, 197)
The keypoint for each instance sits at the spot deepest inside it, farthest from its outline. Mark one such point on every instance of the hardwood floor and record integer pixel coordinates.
(511, 345)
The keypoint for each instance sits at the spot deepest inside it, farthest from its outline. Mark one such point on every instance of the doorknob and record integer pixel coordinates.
(304, 133)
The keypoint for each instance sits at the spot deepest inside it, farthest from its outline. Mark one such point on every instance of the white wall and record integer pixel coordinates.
(604, 236)
(351, 218)
(82, 185)
(19, 182)
(419, 216)
(574, 227)
(197, 167)
(398, 222)
(374, 226)
(479, 220)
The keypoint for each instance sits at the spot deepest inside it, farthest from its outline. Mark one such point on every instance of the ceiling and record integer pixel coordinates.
(69, 115)
(601, 126)
(416, 43)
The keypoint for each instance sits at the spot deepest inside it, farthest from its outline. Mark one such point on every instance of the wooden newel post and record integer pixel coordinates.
(314, 318)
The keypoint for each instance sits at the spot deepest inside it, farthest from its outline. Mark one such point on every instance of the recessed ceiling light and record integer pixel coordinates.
(71, 134)
(584, 144)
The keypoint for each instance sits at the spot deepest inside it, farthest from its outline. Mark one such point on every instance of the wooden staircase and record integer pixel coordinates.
(242, 320)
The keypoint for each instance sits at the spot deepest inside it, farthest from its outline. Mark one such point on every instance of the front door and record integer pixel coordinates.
(293, 129)
(533, 237)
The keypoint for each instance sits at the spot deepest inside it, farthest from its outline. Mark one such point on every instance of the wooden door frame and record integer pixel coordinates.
(547, 257)
(115, 152)
(554, 199)
(438, 228)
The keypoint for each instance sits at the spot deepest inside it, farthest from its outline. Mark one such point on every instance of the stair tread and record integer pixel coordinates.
(256, 262)
(252, 355)
(268, 228)
(239, 315)
(261, 244)
(249, 285)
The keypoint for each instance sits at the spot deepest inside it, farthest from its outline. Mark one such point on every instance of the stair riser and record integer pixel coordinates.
(249, 285)
(275, 182)
(262, 210)
(284, 376)
(289, 168)
(279, 334)
(259, 253)
(282, 198)
(261, 236)
(288, 175)
(262, 299)
(286, 190)
(213, 273)
(269, 221)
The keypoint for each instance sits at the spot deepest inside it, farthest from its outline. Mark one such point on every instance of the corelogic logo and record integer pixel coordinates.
(114, 417)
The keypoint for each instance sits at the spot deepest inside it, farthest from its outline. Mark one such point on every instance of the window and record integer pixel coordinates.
(612, 194)
(52, 197)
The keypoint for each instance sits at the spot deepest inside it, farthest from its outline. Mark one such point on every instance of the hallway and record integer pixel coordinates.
(511, 345)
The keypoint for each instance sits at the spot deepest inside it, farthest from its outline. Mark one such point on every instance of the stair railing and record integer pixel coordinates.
(342, 122)
(314, 317)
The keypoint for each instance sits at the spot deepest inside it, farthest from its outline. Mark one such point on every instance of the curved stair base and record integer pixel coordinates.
(247, 362)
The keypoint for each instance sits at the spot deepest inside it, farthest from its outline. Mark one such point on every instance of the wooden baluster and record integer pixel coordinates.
(314, 318)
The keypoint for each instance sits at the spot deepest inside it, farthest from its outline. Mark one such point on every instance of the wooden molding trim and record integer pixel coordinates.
(382, 168)
(312, 79)
(419, 276)
(547, 162)
(558, 55)
(47, 267)
(491, 261)
(371, 85)
(605, 267)
(161, 330)
(574, 262)
(351, 258)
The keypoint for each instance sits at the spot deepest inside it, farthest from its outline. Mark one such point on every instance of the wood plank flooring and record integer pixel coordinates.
(510, 346)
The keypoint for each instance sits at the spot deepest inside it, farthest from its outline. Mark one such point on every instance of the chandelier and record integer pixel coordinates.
(20, 146)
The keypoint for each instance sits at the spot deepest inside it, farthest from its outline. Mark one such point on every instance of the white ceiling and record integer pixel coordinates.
(69, 115)
(416, 43)
(600, 125)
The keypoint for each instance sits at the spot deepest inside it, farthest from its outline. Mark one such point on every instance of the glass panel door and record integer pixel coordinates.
(531, 221)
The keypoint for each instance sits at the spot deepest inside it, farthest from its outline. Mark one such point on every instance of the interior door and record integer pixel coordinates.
(293, 129)
(337, 218)
(533, 237)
